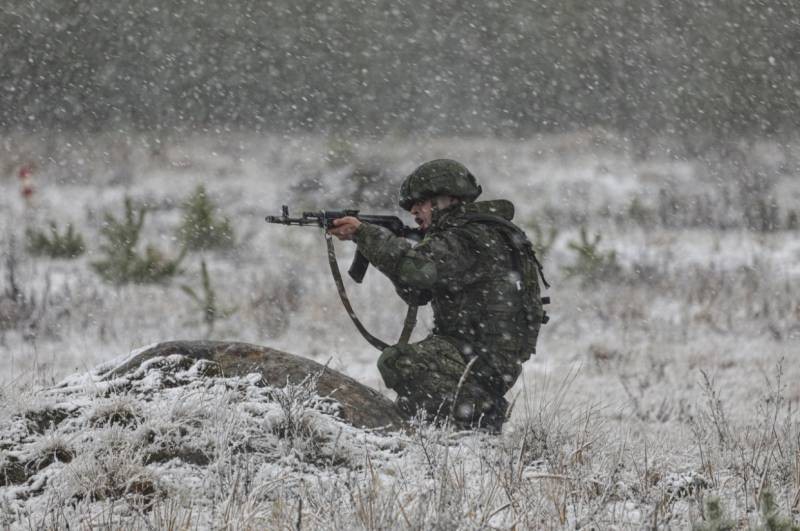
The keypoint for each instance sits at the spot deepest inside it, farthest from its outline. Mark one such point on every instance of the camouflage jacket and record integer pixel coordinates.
(464, 269)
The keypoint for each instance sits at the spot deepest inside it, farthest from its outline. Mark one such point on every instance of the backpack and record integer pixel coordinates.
(530, 270)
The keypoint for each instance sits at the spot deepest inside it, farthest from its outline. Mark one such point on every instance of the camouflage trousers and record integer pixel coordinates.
(426, 375)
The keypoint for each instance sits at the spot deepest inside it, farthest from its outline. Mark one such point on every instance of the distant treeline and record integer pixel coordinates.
(512, 67)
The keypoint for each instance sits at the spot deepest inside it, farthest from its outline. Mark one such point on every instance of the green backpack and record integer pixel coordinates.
(524, 262)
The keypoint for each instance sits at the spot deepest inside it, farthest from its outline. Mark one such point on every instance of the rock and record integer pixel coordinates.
(361, 406)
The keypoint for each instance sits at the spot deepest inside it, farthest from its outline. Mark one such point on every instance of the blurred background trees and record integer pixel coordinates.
(644, 68)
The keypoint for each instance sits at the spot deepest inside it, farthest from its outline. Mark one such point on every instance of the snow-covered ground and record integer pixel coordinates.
(668, 381)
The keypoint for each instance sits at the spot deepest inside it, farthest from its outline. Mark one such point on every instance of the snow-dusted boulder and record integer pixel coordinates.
(361, 406)
(188, 417)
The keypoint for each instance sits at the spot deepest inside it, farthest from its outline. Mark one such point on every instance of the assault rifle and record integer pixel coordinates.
(325, 218)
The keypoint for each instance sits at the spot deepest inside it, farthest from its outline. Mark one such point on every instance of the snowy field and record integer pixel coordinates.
(666, 384)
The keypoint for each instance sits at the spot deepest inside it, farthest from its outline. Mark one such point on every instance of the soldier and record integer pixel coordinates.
(480, 274)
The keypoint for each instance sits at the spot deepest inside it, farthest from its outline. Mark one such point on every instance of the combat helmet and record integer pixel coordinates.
(438, 177)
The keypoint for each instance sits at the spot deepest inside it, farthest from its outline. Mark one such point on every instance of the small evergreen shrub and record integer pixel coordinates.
(70, 244)
(771, 516)
(207, 303)
(122, 263)
(201, 228)
(542, 241)
(715, 518)
(640, 213)
(591, 263)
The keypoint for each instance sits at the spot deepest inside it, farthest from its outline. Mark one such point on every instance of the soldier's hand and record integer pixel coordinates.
(345, 228)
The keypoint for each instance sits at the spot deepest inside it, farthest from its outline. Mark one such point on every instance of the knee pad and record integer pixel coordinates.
(387, 365)
(395, 364)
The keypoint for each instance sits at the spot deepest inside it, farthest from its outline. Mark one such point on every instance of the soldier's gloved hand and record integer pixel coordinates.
(345, 228)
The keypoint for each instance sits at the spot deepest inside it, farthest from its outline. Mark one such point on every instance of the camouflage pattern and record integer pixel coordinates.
(438, 177)
(465, 270)
(426, 375)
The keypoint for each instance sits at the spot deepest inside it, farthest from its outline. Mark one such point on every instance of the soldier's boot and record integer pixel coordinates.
(483, 413)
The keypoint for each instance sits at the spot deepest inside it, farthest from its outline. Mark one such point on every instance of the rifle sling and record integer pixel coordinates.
(408, 324)
(411, 316)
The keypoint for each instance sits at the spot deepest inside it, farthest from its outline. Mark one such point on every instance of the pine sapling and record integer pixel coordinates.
(122, 263)
(70, 244)
(120, 245)
(715, 518)
(770, 513)
(208, 301)
(591, 263)
(201, 228)
(542, 242)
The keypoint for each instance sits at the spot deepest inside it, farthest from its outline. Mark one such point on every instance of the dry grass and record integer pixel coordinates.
(654, 393)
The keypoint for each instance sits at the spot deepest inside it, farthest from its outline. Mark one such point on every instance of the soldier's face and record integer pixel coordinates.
(422, 212)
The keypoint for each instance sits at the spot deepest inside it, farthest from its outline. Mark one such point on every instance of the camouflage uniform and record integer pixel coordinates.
(465, 269)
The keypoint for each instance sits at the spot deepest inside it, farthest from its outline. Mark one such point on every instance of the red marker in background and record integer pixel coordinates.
(26, 181)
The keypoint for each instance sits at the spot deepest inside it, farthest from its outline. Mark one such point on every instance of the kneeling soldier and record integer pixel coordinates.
(479, 272)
